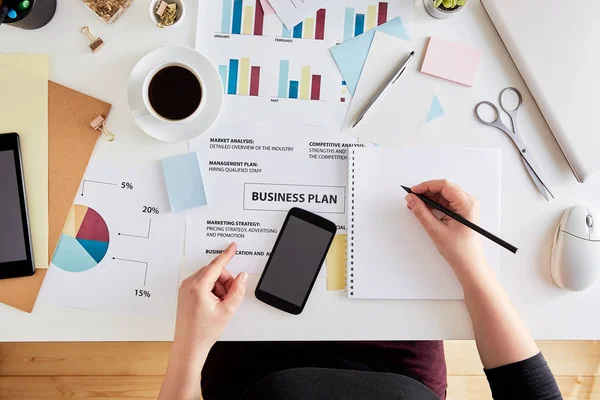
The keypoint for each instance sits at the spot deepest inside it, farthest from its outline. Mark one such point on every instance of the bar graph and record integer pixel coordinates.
(240, 78)
(237, 18)
(358, 23)
(310, 28)
(308, 87)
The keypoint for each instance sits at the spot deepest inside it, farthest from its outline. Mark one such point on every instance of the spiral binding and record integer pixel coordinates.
(350, 242)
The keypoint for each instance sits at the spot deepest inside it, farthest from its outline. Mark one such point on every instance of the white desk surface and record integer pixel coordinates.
(527, 220)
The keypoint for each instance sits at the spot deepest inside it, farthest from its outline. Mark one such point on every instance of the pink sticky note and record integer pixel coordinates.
(452, 61)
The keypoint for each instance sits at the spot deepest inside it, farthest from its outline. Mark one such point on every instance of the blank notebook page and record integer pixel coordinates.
(389, 254)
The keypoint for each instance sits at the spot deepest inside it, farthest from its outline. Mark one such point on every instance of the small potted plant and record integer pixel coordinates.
(443, 8)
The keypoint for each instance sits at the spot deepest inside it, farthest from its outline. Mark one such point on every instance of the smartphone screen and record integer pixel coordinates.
(296, 260)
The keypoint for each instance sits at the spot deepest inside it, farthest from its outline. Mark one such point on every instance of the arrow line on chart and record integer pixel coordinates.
(138, 236)
(90, 181)
(136, 261)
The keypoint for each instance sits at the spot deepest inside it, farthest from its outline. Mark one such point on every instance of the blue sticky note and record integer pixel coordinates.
(183, 179)
(350, 56)
(436, 110)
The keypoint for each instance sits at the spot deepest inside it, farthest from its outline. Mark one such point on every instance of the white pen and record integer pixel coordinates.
(391, 80)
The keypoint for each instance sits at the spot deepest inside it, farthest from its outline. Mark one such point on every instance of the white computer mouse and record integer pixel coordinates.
(576, 249)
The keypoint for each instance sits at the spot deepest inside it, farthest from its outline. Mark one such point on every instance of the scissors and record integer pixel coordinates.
(537, 175)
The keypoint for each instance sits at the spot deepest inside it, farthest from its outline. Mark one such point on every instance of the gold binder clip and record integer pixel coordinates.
(95, 43)
(99, 124)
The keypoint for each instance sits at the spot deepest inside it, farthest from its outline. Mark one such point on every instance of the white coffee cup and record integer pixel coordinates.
(149, 110)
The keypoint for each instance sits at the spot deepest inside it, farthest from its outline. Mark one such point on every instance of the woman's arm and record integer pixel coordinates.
(207, 301)
(502, 337)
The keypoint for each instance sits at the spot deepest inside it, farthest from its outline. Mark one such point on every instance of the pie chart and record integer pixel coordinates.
(84, 240)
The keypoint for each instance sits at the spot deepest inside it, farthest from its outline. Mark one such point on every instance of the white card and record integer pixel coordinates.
(121, 249)
(397, 117)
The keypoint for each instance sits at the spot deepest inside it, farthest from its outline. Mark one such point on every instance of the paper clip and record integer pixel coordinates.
(99, 124)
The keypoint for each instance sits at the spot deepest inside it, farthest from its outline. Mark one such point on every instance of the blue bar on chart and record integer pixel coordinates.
(286, 33)
(233, 75)
(298, 31)
(226, 16)
(359, 24)
(349, 24)
(223, 74)
(284, 72)
(236, 25)
(293, 90)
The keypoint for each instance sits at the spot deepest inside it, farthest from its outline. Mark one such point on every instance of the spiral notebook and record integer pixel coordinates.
(389, 254)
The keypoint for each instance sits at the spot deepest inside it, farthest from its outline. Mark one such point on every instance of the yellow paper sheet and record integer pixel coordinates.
(24, 109)
(336, 263)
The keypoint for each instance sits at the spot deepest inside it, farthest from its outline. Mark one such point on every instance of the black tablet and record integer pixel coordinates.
(16, 255)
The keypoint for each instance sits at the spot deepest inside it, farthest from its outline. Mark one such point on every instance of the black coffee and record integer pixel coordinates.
(174, 93)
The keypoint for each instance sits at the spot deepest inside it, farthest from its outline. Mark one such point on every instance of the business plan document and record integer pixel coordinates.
(253, 175)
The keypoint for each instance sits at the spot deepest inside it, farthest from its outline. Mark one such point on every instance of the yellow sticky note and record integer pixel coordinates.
(336, 263)
(24, 110)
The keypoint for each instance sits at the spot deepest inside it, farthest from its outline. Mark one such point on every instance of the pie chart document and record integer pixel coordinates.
(121, 247)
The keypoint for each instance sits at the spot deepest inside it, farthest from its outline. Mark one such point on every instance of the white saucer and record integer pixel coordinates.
(213, 94)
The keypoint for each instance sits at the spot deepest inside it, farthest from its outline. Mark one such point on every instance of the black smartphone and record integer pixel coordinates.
(295, 261)
(16, 255)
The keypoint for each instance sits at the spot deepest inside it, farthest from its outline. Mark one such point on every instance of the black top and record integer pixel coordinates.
(528, 379)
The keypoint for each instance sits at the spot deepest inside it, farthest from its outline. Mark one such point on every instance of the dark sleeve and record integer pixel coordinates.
(528, 379)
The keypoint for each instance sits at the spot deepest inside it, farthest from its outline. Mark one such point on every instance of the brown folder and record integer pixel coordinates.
(71, 141)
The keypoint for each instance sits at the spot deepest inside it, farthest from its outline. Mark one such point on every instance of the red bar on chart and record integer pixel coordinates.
(315, 91)
(254, 80)
(320, 28)
(382, 13)
(259, 16)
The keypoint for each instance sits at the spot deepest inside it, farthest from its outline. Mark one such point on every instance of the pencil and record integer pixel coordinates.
(464, 221)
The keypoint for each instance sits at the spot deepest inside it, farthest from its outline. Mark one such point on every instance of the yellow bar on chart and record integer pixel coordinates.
(304, 83)
(371, 17)
(247, 20)
(336, 263)
(244, 80)
(309, 28)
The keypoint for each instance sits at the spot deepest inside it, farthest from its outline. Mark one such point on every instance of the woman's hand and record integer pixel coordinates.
(207, 301)
(459, 245)
(502, 337)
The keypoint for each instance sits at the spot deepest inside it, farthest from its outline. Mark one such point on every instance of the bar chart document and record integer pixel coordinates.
(284, 73)
(254, 174)
(120, 249)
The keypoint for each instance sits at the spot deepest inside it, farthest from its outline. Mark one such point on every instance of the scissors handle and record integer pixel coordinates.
(510, 110)
(513, 112)
(495, 122)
